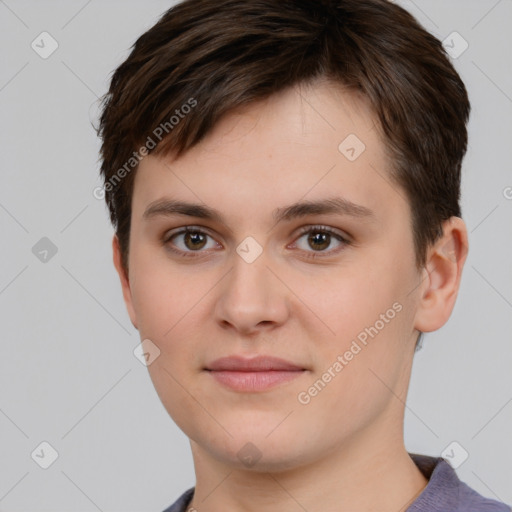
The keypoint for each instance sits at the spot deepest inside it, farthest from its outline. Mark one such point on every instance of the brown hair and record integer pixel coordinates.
(215, 55)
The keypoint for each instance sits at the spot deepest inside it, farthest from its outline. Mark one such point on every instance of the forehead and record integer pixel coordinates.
(306, 142)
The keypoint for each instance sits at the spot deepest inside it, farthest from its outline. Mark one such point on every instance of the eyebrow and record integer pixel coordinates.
(335, 205)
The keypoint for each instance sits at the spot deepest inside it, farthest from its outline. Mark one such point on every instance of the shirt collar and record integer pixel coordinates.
(442, 491)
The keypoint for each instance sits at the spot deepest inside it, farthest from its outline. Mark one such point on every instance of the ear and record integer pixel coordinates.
(125, 282)
(441, 276)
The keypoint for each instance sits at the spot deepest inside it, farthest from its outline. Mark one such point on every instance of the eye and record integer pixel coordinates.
(192, 241)
(320, 238)
(188, 240)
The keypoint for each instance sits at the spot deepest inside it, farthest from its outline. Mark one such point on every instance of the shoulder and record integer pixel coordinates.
(470, 500)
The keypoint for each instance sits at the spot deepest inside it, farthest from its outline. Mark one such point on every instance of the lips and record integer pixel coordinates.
(256, 364)
(252, 375)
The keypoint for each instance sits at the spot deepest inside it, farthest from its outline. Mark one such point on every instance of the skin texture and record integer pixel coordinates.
(344, 449)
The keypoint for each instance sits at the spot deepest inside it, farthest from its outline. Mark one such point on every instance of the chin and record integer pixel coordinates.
(258, 453)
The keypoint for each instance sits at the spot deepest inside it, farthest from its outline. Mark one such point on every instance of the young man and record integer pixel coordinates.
(283, 178)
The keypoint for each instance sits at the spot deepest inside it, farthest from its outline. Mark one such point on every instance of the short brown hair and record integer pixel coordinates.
(216, 55)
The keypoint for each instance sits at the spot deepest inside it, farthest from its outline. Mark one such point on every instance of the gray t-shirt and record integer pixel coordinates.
(443, 493)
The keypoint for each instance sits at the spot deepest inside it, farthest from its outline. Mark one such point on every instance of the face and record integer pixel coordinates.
(331, 288)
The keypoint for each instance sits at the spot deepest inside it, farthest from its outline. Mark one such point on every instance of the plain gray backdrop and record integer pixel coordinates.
(68, 375)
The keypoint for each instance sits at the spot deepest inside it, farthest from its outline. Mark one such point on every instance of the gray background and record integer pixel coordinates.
(68, 375)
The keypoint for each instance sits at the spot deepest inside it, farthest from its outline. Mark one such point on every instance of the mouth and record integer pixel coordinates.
(256, 374)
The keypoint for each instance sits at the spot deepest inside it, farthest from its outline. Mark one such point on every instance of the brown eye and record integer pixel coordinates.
(188, 241)
(319, 241)
(194, 240)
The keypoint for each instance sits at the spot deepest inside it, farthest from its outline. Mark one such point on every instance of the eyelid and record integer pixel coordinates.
(327, 229)
(184, 229)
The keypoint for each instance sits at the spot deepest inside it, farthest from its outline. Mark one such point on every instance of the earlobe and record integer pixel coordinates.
(442, 275)
(125, 281)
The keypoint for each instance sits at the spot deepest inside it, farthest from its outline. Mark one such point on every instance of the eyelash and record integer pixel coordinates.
(305, 230)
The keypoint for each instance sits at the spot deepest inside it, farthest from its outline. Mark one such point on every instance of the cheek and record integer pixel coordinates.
(169, 317)
(170, 307)
(161, 292)
(355, 381)
(342, 302)
(368, 319)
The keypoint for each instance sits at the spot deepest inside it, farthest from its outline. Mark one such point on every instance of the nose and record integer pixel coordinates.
(251, 297)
